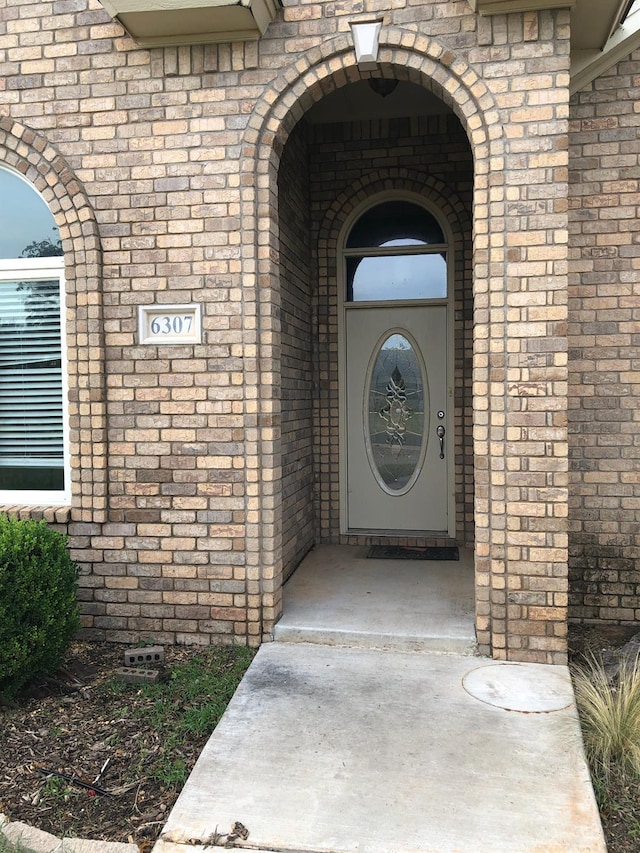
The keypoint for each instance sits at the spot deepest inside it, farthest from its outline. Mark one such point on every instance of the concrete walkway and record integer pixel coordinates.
(345, 750)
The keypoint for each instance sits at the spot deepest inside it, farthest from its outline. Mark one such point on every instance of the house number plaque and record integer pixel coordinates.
(169, 324)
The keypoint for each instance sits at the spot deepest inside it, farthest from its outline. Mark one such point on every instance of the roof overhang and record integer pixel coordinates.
(501, 7)
(158, 23)
(602, 31)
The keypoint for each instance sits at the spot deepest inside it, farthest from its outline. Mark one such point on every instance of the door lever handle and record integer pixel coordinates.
(440, 431)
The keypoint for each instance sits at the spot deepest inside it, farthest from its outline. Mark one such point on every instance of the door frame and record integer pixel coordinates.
(356, 213)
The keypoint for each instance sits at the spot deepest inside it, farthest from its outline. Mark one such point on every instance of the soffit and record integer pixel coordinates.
(598, 38)
(158, 23)
(593, 22)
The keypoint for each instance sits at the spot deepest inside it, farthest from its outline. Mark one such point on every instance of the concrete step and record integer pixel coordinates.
(339, 597)
(287, 633)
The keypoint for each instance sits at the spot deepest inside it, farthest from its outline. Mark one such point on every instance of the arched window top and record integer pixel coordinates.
(396, 251)
(395, 223)
(27, 226)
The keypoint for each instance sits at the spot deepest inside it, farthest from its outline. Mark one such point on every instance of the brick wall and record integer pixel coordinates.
(161, 168)
(520, 359)
(604, 340)
(297, 347)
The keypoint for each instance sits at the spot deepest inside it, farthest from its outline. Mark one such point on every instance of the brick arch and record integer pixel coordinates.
(42, 165)
(432, 189)
(405, 55)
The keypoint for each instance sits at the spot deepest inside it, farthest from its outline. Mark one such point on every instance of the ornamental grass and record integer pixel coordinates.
(609, 711)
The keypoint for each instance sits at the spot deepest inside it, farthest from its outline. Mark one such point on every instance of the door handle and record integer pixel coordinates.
(440, 431)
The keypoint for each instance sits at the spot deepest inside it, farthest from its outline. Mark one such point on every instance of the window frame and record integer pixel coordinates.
(345, 307)
(37, 269)
(372, 251)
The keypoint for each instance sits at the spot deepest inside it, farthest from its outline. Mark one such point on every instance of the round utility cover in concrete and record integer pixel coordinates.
(526, 688)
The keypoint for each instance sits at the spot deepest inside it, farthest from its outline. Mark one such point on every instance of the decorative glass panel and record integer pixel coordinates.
(388, 277)
(396, 414)
(395, 223)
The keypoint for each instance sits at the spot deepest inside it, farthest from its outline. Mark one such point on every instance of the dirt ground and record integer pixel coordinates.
(620, 806)
(70, 725)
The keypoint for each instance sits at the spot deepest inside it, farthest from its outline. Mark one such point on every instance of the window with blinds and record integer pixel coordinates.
(33, 439)
(31, 410)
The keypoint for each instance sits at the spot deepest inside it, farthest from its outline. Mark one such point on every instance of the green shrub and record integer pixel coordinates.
(610, 718)
(38, 607)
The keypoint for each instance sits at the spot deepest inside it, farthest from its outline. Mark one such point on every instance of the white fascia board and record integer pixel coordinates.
(586, 65)
(159, 23)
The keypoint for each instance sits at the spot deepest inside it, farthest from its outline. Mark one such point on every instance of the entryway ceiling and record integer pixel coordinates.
(359, 102)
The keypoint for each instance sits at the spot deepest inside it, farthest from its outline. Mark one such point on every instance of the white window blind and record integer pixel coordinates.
(34, 420)
(31, 385)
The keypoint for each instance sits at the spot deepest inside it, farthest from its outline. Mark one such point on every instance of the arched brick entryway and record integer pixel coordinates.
(520, 535)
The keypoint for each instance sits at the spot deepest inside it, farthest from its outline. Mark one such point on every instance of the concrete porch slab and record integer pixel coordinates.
(339, 597)
(339, 750)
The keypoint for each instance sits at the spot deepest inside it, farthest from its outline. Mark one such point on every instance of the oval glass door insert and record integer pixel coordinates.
(395, 426)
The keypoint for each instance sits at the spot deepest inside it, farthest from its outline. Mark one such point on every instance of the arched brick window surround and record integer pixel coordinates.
(31, 155)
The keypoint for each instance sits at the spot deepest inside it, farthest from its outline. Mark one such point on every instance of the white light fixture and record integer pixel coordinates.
(365, 40)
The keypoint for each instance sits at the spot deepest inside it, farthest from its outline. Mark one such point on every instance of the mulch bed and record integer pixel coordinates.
(66, 724)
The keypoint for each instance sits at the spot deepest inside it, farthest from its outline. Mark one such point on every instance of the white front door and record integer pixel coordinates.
(398, 423)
